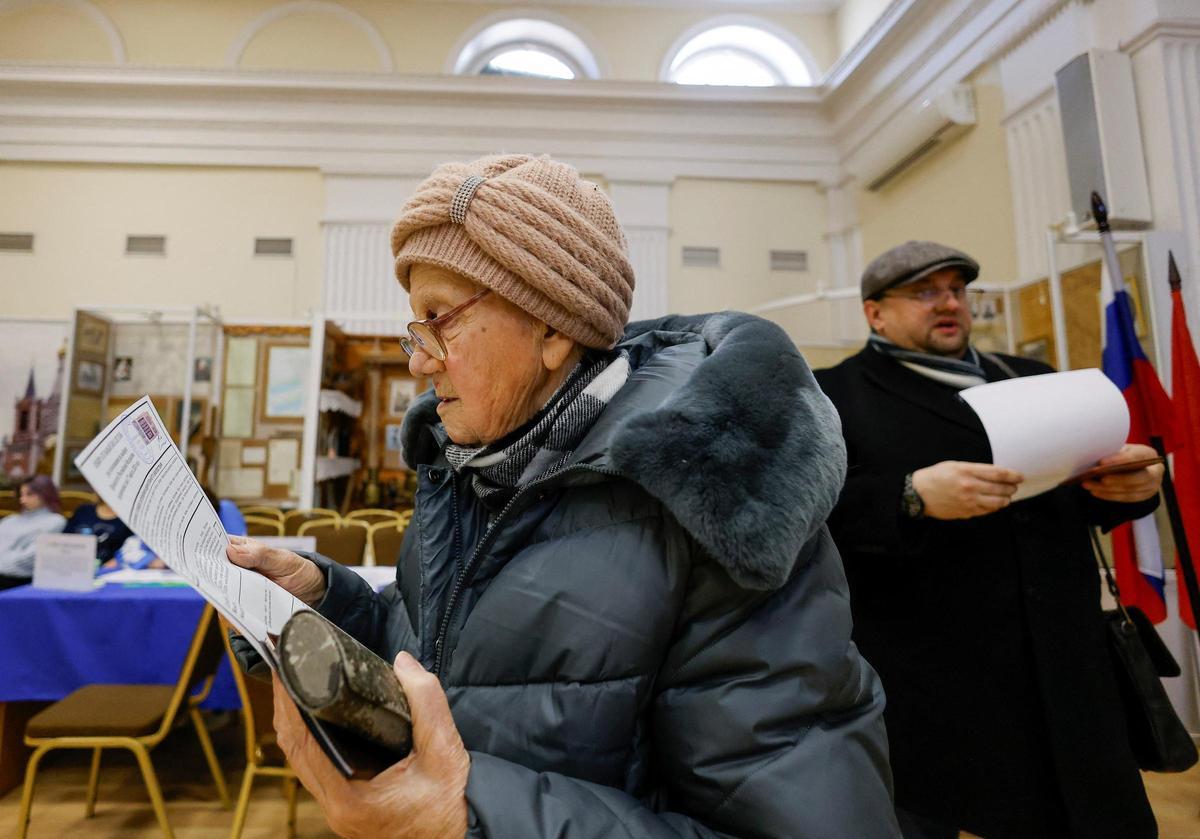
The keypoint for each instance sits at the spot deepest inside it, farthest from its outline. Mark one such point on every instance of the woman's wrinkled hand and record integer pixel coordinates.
(423, 795)
(1128, 487)
(290, 571)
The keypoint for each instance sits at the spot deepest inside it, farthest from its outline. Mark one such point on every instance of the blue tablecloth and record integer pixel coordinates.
(52, 642)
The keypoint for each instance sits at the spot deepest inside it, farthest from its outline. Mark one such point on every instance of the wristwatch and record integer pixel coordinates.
(911, 503)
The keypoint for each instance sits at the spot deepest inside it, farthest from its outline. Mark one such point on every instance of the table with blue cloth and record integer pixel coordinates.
(52, 642)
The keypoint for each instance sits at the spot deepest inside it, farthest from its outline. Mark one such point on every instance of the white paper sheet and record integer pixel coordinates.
(1051, 427)
(65, 561)
(140, 473)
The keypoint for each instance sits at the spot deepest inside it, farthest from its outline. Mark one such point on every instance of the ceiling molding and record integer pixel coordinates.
(388, 124)
(924, 51)
(814, 7)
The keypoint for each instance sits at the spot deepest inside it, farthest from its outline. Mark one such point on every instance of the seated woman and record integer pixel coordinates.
(102, 521)
(18, 533)
(617, 611)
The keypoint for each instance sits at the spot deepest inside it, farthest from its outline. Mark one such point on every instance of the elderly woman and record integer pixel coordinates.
(39, 514)
(617, 611)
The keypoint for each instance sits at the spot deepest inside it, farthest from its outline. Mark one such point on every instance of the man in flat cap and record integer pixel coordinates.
(981, 615)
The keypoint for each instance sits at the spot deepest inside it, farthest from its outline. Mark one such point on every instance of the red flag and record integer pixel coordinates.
(1185, 398)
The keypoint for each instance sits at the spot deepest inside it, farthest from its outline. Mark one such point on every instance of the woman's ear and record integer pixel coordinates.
(557, 349)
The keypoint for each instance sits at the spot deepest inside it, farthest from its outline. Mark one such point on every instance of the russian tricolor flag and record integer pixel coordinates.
(1137, 553)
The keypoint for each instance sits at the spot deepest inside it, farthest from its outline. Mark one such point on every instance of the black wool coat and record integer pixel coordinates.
(1002, 712)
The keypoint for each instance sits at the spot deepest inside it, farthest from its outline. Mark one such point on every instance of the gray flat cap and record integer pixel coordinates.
(910, 262)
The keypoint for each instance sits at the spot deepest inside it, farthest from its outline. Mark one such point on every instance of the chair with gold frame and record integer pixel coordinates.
(261, 511)
(372, 515)
(263, 755)
(342, 541)
(263, 526)
(71, 500)
(134, 717)
(294, 519)
(386, 537)
(9, 502)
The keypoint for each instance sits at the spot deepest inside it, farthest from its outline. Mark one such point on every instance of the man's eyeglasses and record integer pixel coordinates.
(932, 296)
(426, 334)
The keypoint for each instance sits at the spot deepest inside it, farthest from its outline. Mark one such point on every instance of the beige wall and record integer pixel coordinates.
(746, 220)
(419, 35)
(80, 216)
(959, 195)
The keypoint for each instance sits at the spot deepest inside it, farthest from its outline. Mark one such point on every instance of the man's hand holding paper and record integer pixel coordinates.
(1127, 486)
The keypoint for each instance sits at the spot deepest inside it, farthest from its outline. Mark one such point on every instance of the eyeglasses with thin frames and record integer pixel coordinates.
(933, 296)
(426, 334)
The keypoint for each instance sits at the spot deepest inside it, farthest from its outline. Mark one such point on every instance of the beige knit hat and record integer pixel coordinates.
(532, 230)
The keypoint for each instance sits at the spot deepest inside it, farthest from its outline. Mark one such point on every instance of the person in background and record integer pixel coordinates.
(101, 521)
(18, 533)
(982, 614)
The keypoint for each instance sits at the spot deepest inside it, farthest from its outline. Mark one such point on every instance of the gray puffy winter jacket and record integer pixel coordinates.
(656, 641)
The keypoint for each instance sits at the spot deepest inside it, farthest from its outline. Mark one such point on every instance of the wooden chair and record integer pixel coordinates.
(372, 515)
(4, 513)
(71, 500)
(262, 512)
(263, 755)
(263, 526)
(9, 501)
(341, 541)
(293, 520)
(134, 717)
(386, 537)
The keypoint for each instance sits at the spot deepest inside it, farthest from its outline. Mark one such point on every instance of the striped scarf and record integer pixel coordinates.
(957, 373)
(544, 444)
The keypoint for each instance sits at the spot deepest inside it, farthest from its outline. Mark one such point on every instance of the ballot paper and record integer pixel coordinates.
(133, 465)
(1051, 427)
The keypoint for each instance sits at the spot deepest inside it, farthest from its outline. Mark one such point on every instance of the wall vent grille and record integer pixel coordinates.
(789, 260)
(701, 257)
(146, 245)
(16, 242)
(272, 247)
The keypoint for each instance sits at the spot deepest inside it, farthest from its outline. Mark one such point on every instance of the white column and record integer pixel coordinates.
(643, 210)
(843, 238)
(1167, 76)
(359, 278)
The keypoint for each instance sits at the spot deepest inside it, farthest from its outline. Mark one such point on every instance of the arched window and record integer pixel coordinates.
(739, 51)
(525, 46)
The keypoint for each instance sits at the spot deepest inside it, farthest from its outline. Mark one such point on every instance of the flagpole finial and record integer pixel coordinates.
(1173, 272)
(1099, 212)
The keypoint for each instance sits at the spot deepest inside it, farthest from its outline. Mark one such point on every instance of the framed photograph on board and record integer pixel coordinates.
(89, 376)
(286, 386)
(123, 368)
(91, 335)
(401, 393)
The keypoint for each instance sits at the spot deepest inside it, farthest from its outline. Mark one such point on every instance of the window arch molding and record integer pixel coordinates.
(554, 34)
(233, 55)
(89, 10)
(805, 74)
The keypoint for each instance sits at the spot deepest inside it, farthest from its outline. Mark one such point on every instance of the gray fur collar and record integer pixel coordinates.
(723, 422)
